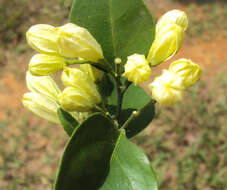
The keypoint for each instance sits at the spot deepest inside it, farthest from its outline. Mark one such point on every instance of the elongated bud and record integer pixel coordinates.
(43, 38)
(95, 74)
(77, 99)
(42, 64)
(166, 44)
(75, 41)
(137, 69)
(172, 17)
(167, 89)
(189, 71)
(42, 84)
(75, 77)
(41, 105)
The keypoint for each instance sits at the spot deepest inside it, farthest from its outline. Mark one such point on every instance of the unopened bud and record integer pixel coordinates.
(95, 74)
(172, 17)
(75, 77)
(167, 89)
(41, 105)
(43, 38)
(42, 84)
(117, 60)
(189, 71)
(77, 99)
(166, 44)
(42, 64)
(137, 69)
(75, 41)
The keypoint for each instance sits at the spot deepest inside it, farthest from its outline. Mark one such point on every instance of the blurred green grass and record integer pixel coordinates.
(186, 144)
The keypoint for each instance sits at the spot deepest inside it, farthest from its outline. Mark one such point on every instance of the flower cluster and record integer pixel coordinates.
(59, 47)
(167, 89)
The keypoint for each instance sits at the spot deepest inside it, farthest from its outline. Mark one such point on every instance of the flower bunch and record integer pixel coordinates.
(100, 88)
(59, 47)
(168, 88)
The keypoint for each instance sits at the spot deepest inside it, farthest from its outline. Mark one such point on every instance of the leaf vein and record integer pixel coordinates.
(112, 27)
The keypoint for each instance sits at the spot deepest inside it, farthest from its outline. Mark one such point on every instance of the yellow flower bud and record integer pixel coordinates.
(166, 44)
(117, 61)
(137, 69)
(95, 74)
(189, 71)
(75, 41)
(167, 89)
(75, 77)
(172, 17)
(77, 99)
(42, 64)
(43, 38)
(41, 105)
(43, 85)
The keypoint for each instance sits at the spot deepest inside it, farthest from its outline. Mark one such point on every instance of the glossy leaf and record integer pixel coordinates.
(122, 27)
(129, 168)
(135, 98)
(68, 122)
(85, 161)
(140, 120)
(105, 86)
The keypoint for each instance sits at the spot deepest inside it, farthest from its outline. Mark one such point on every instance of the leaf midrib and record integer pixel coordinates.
(111, 27)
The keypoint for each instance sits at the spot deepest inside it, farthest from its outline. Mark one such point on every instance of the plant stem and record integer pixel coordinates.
(102, 65)
(76, 61)
(137, 113)
(120, 90)
(132, 116)
(126, 85)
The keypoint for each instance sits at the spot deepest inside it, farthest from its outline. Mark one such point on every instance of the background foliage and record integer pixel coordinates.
(186, 144)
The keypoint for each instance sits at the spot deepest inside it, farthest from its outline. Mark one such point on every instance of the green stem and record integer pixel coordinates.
(76, 61)
(119, 92)
(132, 116)
(102, 65)
(102, 109)
(136, 113)
(126, 85)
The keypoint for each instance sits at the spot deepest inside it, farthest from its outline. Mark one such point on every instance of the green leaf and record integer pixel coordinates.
(135, 123)
(140, 120)
(122, 27)
(85, 161)
(129, 168)
(105, 86)
(135, 98)
(68, 122)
